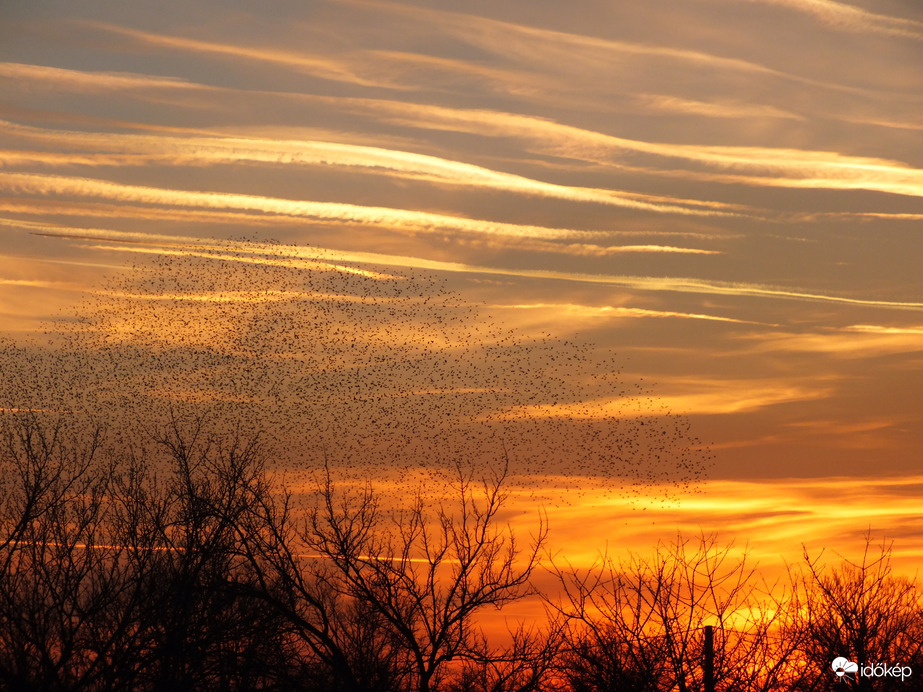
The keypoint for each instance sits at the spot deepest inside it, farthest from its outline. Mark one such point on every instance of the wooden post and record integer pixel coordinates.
(708, 666)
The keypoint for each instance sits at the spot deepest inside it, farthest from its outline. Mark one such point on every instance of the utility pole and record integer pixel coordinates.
(708, 665)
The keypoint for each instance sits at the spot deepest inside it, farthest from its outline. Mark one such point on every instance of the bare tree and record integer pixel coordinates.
(863, 612)
(529, 662)
(201, 629)
(57, 573)
(638, 624)
(427, 575)
(109, 581)
(330, 641)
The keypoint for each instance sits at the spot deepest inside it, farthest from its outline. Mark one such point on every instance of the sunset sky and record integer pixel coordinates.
(573, 215)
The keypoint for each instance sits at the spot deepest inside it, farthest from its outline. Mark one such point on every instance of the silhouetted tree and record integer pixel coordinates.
(429, 574)
(110, 581)
(863, 612)
(201, 626)
(638, 624)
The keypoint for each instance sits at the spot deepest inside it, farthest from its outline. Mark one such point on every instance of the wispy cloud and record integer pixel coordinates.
(581, 249)
(83, 81)
(879, 329)
(38, 283)
(782, 516)
(709, 287)
(858, 215)
(520, 41)
(855, 341)
(418, 221)
(323, 66)
(381, 217)
(643, 283)
(840, 15)
(717, 398)
(809, 170)
(617, 312)
(750, 165)
(753, 166)
(420, 68)
(664, 103)
(118, 149)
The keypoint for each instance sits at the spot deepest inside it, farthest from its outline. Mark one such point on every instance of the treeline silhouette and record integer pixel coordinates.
(177, 562)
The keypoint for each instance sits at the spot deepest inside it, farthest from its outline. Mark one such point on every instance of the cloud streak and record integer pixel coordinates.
(840, 15)
(751, 165)
(518, 41)
(192, 150)
(327, 211)
(725, 397)
(321, 66)
(380, 217)
(642, 283)
(88, 82)
(855, 341)
(665, 103)
(618, 312)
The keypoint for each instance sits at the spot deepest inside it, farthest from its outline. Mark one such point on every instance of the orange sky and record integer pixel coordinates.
(555, 224)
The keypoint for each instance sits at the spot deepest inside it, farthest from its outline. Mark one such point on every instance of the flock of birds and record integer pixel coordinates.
(380, 377)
